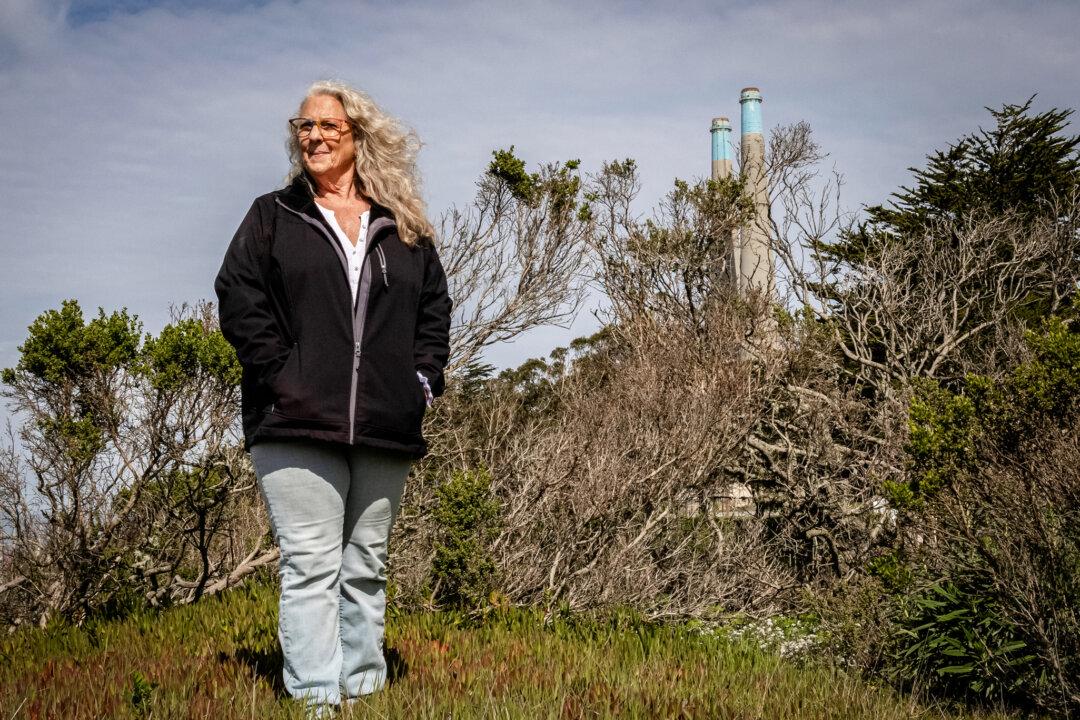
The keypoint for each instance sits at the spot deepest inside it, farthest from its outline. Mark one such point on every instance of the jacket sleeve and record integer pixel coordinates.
(431, 347)
(245, 311)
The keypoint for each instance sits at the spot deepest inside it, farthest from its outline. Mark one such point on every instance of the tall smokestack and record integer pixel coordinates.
(755, 257)
(721, 170)
(721, 148)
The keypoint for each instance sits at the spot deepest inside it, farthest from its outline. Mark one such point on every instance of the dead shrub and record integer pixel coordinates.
(613, 470)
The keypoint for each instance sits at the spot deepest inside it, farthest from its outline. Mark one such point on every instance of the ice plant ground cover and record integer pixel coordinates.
(219, 659)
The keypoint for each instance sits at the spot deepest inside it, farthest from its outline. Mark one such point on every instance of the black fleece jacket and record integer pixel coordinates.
(316, 365)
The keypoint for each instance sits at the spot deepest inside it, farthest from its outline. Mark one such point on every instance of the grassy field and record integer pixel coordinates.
(220, 660)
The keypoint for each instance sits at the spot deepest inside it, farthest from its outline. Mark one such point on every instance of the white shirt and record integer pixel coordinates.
(353, 253)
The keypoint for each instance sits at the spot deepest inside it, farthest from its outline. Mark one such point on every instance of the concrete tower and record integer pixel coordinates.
(721, 148)
(755, 261)
(721, 170)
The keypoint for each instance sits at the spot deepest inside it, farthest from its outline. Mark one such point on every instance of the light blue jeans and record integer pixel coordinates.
(331, 509)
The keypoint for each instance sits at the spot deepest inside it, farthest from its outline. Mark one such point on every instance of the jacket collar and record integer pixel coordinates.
(297, 197)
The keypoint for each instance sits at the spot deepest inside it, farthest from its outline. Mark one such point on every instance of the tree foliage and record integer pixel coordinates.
(132, 486)
(676, 264)
(1021, 166)
(944, 280)
(514, 257)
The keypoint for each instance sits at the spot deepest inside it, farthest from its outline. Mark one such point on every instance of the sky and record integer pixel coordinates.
(135, 133)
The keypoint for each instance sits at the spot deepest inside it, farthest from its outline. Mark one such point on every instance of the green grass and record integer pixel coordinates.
(219, 659)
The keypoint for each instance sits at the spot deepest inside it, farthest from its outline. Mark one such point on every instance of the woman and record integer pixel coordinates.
(334, 298)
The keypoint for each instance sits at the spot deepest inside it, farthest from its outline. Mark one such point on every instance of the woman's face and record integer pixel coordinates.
(323, 156)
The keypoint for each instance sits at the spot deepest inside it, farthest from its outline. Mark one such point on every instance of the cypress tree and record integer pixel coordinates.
(1019, 166)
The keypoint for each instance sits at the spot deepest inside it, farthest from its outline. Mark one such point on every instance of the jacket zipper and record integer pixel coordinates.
(352, 390)
(382, 264)
(360, 313)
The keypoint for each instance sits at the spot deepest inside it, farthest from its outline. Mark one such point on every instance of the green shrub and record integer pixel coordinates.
(985, 591)
(466, 516)
(943, 430)
(128, 459)
(142, 692)
(956, 639)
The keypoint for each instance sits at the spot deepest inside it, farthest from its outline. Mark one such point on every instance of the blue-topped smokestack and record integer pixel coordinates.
(721, 170)
(755, 262)
(721, 148)
(750, 99)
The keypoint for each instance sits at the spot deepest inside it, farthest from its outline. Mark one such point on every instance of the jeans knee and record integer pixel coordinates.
(307, 566)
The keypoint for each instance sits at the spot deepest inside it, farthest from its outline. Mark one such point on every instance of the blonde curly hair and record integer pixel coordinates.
(385, 158)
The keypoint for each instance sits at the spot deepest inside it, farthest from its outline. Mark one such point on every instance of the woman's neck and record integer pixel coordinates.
(336, 188)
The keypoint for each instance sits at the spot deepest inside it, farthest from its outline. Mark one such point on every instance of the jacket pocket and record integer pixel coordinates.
(286, 387)
(391, 396)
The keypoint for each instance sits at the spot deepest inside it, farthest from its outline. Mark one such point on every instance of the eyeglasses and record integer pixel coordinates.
(329, 128)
